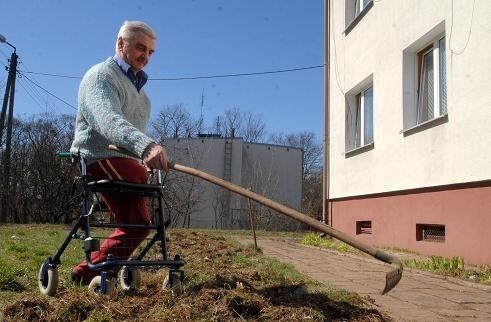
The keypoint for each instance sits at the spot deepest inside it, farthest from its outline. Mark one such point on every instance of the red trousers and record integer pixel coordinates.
(125, 208)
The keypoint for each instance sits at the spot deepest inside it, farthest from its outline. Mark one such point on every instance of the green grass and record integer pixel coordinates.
(24, 248)
(314, 239)
(454, 267)
(438, 264)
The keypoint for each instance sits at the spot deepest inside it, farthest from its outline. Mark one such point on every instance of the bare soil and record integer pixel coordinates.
(217, 287)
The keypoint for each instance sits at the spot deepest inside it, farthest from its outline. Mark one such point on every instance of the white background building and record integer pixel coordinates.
(270, 170)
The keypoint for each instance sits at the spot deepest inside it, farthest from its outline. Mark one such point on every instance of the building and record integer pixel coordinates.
(270, 170)
(408, 109)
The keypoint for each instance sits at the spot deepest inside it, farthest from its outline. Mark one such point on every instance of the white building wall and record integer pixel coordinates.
(275, 171)
(207, 155)
(456, 151)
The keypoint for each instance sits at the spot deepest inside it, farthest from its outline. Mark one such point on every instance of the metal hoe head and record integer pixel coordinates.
(392, 279)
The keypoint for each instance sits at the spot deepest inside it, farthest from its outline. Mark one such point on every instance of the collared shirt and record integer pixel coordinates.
(138, 80)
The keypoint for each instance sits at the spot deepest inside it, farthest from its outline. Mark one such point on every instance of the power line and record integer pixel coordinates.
(30, 94)
(37, 85)
(52, 75)
(24, 72)
(239, 74)
(197, 77)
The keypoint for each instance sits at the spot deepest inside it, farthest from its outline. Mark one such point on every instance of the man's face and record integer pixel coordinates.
(137, 51)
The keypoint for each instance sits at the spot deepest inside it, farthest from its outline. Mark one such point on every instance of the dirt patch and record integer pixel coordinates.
(223, 282)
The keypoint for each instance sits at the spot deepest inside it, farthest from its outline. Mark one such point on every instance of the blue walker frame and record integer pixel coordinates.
(48, 273)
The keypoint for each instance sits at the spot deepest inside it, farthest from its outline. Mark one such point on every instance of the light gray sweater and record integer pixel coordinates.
(110, 111)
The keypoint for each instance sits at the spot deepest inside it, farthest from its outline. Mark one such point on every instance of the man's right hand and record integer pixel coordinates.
(155, 157)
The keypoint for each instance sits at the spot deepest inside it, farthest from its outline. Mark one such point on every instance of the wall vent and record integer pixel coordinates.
(430, 232)
(364, 227)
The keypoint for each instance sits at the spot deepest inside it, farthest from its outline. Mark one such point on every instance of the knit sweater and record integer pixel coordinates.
(110, 111)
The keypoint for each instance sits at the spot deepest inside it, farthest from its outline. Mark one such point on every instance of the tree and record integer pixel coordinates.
(235, 123)
(174, 121)
(312, 194)
(40, 191)
(254, 129)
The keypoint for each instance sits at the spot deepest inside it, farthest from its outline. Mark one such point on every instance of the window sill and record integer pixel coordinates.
(356, 151)
(355, 21)
(425, 125)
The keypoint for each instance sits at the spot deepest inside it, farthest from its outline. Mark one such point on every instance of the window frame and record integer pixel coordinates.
(357, 141)
(411, 82)
(361, 109)
(354, 13)
(439, 81)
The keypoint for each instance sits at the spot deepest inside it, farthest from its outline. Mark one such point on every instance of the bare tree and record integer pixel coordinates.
(235, 123)
(254, 129)
(174, 121)
(40, 189)
(229, 124)
(312, 194)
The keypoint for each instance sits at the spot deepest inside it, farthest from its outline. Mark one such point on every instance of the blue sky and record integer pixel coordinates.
(195, 38)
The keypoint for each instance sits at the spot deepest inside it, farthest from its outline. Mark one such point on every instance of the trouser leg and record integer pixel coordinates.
(125, 208)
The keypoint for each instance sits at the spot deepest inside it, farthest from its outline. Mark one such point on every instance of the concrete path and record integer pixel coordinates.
(419, 296)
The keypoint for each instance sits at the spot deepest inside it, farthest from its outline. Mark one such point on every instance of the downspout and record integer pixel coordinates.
(326, 213)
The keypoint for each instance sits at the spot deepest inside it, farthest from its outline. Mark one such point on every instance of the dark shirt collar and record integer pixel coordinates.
(138, 80)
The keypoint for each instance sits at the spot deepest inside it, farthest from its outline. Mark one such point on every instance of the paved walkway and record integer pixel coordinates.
(419, 296)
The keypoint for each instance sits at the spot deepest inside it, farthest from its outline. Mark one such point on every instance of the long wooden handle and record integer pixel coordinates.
(392, 277)
(284, 210)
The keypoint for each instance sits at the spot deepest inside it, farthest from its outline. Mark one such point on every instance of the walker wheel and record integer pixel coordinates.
(48, 279)
(97, 287)
(129, 278)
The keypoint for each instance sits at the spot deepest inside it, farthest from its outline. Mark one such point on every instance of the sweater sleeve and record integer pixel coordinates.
(101, 102)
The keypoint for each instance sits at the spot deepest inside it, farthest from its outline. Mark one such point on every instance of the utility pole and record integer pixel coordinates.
(8, 100)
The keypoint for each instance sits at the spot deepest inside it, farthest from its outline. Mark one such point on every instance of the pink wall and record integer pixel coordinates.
(466, 214)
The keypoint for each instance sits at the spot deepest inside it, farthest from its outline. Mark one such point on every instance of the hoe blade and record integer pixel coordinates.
(392, 279)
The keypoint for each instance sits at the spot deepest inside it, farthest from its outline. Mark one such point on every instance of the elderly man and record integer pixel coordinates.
(114, 109)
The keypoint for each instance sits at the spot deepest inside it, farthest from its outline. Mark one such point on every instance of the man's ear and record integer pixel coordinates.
(120, 44)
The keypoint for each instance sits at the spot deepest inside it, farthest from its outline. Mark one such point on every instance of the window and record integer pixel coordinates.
(432, 82)
(354, 11)
(424, 82)
(359, 117)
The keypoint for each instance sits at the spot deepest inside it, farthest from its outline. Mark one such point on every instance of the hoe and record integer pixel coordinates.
(392, 277)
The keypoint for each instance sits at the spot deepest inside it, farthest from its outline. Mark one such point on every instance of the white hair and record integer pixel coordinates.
(130, 29)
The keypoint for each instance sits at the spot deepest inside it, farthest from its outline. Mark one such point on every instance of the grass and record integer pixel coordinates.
(314, 239)
(438, 264)
(223, 281)
(24, 248)
(454, 266)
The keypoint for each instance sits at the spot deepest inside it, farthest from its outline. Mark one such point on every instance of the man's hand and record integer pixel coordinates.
(155, 157)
